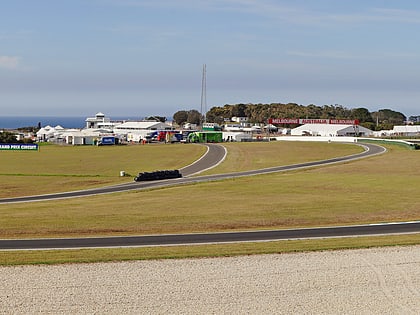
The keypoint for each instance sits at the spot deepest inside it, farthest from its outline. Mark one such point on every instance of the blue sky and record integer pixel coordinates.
(145, 57)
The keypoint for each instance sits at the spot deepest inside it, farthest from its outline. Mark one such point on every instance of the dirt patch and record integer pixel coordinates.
(368, 281)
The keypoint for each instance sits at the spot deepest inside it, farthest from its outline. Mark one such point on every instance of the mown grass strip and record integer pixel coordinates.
(10, 258)
(66, 168)
(58, 175)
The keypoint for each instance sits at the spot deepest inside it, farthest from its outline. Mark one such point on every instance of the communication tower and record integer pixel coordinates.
(203, 109)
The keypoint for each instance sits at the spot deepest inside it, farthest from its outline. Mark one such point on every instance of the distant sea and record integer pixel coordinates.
(14, 122)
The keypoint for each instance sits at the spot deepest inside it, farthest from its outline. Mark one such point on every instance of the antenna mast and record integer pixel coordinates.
(204, 94)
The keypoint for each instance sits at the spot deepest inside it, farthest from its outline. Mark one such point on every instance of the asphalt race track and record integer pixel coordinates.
(215, 154)
(211, 238)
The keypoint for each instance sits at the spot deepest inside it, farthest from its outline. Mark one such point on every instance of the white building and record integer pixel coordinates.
(239, 119)
(229, 136)
(101, 126)
(406, 130)
(85, 136)
(190, 126)
(382, 133)
(102, 122)
(253, 129)
(136, 131)
(331, 130)
(233, 127)
(131, 126)
(94, 122)
(48, 133)
(242, 127)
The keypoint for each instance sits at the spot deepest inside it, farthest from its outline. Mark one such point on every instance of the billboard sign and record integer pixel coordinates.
(300, 121)
(19, 146)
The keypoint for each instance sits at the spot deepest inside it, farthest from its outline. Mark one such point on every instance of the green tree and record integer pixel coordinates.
(387, 118)
(218, 114)
(313, 111)
(7, 137)
(257, 113)
(157, 118)
(194, 117)
(362, 114)
(238, 110)
(180, 117)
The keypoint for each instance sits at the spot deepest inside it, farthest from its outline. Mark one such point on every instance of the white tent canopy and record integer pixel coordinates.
(407, 130)
(330, 130)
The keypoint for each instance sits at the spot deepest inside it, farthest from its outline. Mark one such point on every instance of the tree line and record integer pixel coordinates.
(383, 119)
(10, 137)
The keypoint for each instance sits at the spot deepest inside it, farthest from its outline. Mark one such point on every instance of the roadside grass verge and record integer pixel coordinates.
(11, 258)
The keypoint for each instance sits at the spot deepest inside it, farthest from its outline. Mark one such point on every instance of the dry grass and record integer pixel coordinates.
(250, 156)
(382, 188)
(64, 168)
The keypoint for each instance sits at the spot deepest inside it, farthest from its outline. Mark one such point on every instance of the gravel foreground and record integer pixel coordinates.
(368, 281)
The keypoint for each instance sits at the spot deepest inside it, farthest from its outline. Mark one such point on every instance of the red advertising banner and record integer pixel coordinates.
(344, 121)
(299, 121)
(283, 121)
(313, 121)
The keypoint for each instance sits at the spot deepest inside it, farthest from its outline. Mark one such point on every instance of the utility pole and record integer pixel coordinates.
(203, 109)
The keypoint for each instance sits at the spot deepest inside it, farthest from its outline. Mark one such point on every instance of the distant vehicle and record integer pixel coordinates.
(167, 136)
(177, 137)
(205, 137)
(157, 175)
(109, 140)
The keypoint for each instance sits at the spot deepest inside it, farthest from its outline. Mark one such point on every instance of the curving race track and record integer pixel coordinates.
(215, 154)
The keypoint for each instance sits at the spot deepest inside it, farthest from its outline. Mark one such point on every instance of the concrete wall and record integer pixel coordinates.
(316, 138)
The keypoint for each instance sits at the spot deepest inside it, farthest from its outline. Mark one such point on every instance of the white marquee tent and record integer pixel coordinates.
(406, 130)
(331, 130)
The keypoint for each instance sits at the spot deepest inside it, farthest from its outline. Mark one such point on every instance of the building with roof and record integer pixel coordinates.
(406, 130)
(100, 121)
(331, 130)
(149, 125)
(136, 131)
(85, 136)
(94, 122)
(46, 133)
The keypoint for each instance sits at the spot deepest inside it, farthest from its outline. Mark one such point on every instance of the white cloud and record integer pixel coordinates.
(325, 54)
(343, 55)
(291, 13)
(260, 7)
(396, 15)
(9, 62)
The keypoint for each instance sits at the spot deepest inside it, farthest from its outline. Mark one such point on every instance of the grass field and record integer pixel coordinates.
(64, 168)
(256, 155)
(377, 189)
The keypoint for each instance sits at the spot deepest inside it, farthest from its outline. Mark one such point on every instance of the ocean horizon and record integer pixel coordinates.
(15, 122)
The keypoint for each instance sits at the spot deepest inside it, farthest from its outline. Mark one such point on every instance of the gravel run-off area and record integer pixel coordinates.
(366, 281)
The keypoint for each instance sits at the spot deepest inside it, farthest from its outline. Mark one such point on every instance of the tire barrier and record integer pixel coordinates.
(158, 175)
